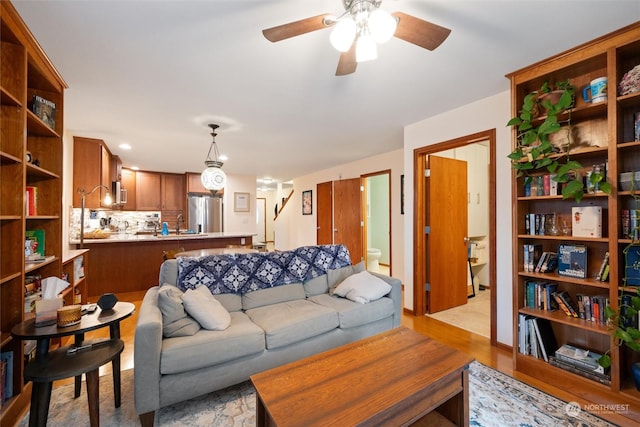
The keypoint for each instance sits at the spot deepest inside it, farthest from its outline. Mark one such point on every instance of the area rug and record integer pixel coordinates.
(495, 399)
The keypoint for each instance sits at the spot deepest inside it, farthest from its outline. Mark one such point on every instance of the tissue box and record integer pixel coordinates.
(47, 311)
(586, 221)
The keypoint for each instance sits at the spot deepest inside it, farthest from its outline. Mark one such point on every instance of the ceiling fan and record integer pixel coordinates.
(357, 30)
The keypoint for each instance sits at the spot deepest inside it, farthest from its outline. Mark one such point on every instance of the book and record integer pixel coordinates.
(546, 339)
(580, 357)
(540, 262)
(605, 261)
(565, 302)
(45, 110)
(572, 260)
(626, 223)
(31, 201)
(586, 221)
(7, 381)
(550, 264)
(559, 363)
(39, 237)
(632, 265)
(534, 253)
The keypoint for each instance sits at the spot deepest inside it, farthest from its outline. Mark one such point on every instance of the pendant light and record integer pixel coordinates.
(213, 177)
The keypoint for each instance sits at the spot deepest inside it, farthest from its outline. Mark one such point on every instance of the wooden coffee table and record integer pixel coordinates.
(395, 378)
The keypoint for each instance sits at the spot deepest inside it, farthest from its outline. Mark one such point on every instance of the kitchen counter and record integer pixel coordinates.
(149, 237)
(130, 263)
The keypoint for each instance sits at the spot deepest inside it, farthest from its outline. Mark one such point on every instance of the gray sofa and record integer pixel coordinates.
(269, 327)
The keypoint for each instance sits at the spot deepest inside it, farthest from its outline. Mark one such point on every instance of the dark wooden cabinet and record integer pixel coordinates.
(26, 73)
(148, 194)
(91, 167)
(194, 183)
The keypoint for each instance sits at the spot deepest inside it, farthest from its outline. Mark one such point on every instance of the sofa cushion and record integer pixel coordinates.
(175, 321)
(316, 286)
(273, 295)
(232, 302)
(334, 277)
(292, 321)
(169, 272)
(206, 309)
(362, 288)
(352, 314)
(207, 348)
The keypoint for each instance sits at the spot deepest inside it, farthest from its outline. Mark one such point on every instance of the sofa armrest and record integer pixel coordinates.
(395, 294)
(146, 354)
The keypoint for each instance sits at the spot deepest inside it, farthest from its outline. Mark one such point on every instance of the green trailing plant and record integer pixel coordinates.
(537, 120)
(622, 322)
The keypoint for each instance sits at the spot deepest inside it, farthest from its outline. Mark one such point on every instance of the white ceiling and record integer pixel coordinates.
(154, 73)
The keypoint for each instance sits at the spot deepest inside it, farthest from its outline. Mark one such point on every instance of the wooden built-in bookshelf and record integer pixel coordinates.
(26, 71)
(605, 134)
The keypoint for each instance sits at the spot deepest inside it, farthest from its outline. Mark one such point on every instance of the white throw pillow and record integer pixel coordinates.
(362, 287)
(206, 309)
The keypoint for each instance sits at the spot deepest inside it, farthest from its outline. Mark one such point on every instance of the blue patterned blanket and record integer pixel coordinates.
(241, 273)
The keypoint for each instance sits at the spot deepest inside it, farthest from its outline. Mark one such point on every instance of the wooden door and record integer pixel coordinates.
(347, 216)
(324, 212)
(446, 239)
(148, 196)
(173, 192)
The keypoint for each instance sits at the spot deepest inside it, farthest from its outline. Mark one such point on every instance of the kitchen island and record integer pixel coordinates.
(129, 262)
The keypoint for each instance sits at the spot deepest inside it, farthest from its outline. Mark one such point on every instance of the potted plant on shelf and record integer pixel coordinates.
(544, 113)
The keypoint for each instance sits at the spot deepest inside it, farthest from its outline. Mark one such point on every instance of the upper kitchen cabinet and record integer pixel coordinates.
(148, 195)
(91, 167)
(194, 183)
(128, 180)
(173, 192)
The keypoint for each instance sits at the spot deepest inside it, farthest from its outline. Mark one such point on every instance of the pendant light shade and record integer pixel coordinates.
(343, 34)
(213, 177)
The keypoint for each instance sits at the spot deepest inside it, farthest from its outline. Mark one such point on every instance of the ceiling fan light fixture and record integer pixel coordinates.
(343, 34)
(382, 25)
(213, 177)
(366, 49)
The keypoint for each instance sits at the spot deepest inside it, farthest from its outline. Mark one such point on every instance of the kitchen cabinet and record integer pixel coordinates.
(605, 134)
(26, 72)
(173, 192)
(194, 183)
(91, 167)
(148, 192)
(128, 181)
(116, 168)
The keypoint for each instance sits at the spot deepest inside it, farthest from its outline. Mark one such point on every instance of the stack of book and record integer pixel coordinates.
(582, 362)
(566, 303)
(539, 295)
(31, 201)
(536, 337)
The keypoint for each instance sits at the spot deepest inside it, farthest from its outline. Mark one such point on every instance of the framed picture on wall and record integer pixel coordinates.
(307, 202)
(402, 194)
(241, 202)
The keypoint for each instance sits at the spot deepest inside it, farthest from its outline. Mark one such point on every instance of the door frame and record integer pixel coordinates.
(364, 216)
(419, 218)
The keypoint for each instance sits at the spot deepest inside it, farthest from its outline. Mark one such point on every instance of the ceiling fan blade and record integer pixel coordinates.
(347, 63)
(420, 32)
(296, 28)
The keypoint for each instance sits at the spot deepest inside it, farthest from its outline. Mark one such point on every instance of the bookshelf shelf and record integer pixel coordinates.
(26, 71)
(605, 134)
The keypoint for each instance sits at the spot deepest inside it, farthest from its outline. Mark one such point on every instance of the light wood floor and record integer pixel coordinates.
(475, 345)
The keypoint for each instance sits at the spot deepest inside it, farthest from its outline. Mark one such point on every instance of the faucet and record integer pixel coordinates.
(179, 219)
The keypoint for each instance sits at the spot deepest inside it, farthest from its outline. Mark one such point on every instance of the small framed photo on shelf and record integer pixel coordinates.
(307, 202)
(241, 202)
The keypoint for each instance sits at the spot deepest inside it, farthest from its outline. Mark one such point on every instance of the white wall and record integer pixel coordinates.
(488, 113)
(292, 229)
(243, 222)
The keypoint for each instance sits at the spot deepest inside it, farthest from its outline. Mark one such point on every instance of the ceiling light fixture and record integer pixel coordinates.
(364, 24)
(213, 177)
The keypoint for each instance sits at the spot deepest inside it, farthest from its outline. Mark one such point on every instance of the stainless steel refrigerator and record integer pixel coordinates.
(205, 213)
